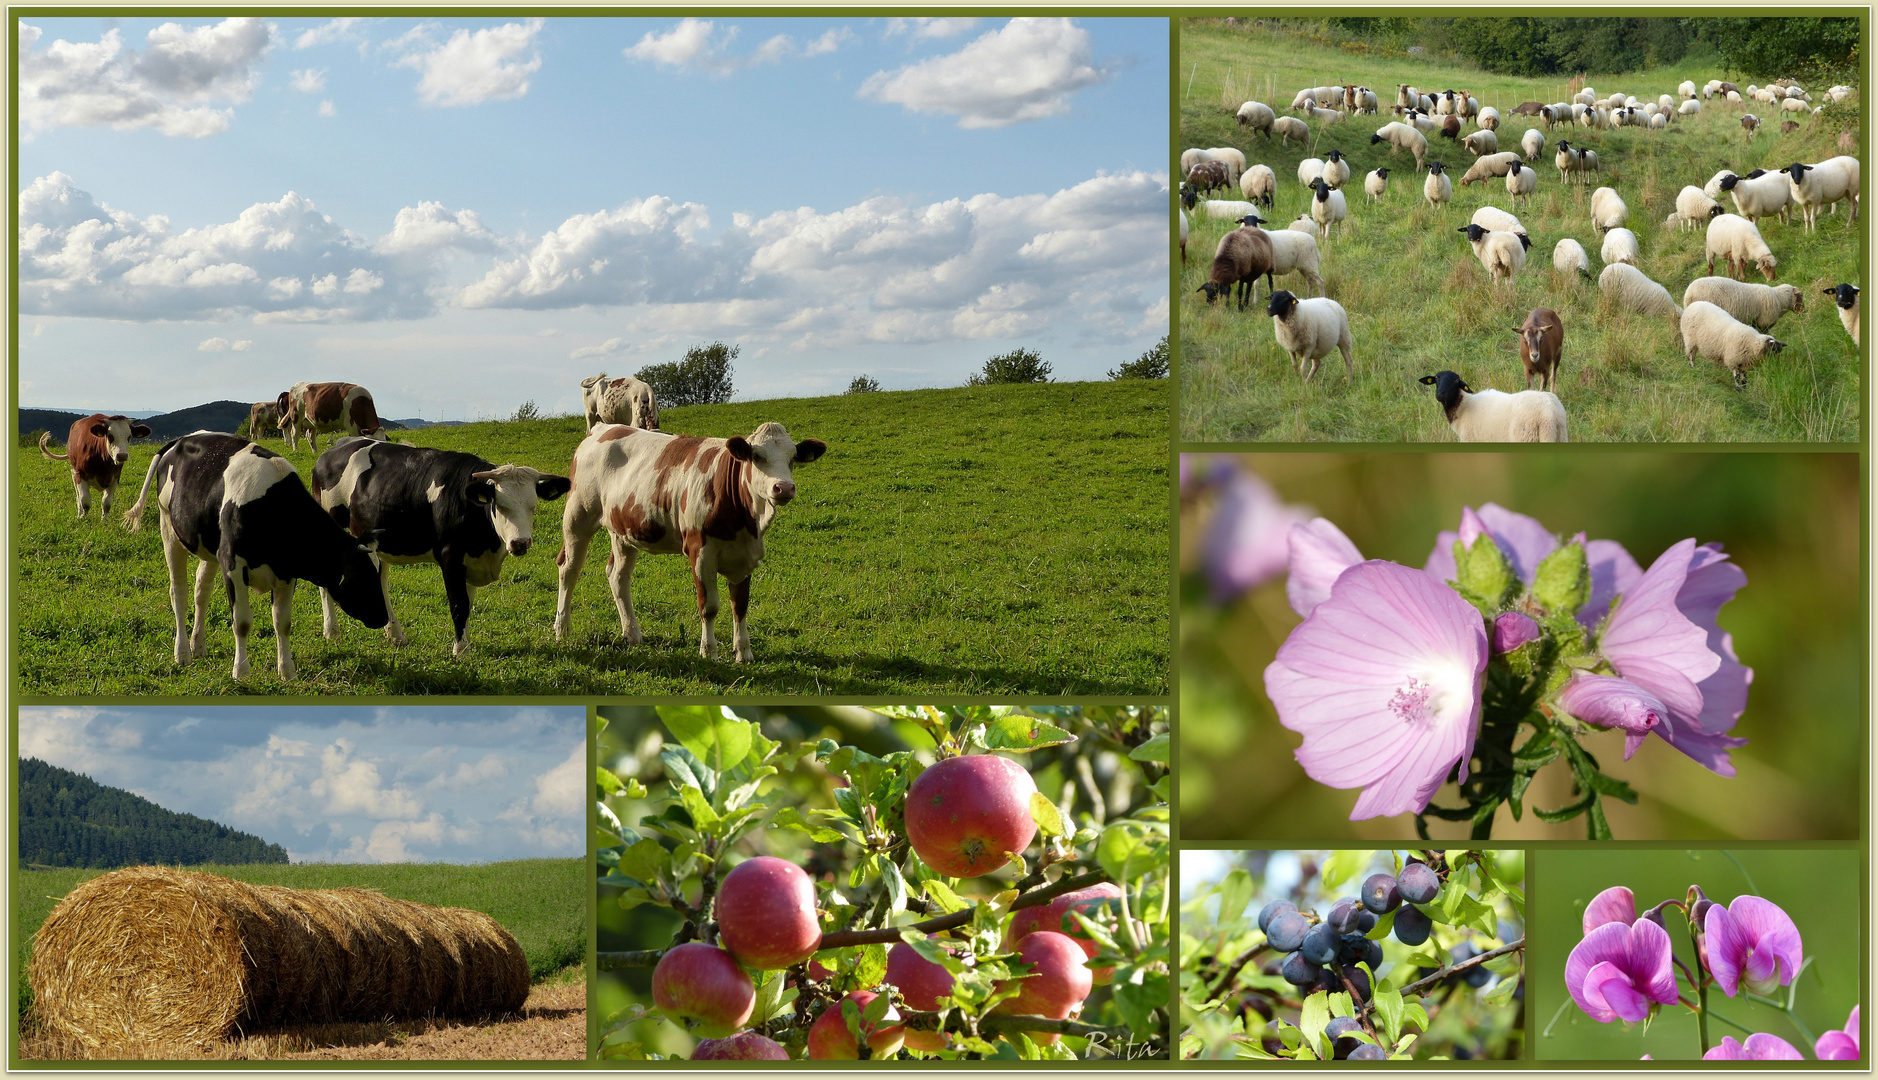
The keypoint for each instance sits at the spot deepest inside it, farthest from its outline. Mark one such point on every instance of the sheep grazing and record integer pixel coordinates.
(1492, 416)
(1243, 256)
(1737, 240)
(1309, 329)
(1689, 108)
(1568, 257)
(1258, 116)
(1712, 332)
(1451, 127)
(1608, 210)
(1234, 159)
(1420, 121)
(1749, 125)
(1328, 207)
(1846, 297)
(1793, 105)
(1541, 342)
(1502, 254)
(1288, 128)
(1488, 120)
(1527, 108)
(1437, 189)
(1664, 101)
(1228, 209)
(1481, 142)
(1824, 184)
(1494, 219)
(1788, 127)
(1521, 183)
(1758, 305)
(1760, 194)
(1376, 183)
(1659, 121)
(1336, 170)
(1694, 208)
(1325, 117)
(1259, 184)
(1533, 143)
(1620, 245)
(1630, 290)
(1686, 90)
(1310, 171)
(1489, 166)
(1294, 252)
(1190, 158)
(1304, 225)
(1402, 136)
(1208, 175)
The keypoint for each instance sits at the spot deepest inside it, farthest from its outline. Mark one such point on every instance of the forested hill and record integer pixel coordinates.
(67, 819)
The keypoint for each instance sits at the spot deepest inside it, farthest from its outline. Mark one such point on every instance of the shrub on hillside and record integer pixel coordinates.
(1149, 365)
(526, 411)
(702, 377)
(864, 385)
(1016, 366)
(30, 439)
(1784, 45)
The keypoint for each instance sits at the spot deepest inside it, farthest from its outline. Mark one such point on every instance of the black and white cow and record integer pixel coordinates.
(430, 505)
(243, 509)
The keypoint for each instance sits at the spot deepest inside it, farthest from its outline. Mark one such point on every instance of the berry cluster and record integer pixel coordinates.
(1324, 954)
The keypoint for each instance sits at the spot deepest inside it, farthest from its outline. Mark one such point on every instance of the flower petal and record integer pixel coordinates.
(1440, 564)
(1613, 573)
(1612, 703)
(1773, 937)
(1245, 542)
(1724, 945)
(1616, 904)
(1603, 946)
(1511, 630)
(1319, 554)
(1836, 1046)
(1606, 985)
(1764, 1047)
(1653, 644)
(1651, 968)
(1726, 1050)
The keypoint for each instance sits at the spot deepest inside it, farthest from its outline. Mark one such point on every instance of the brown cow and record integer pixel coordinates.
(624, 400)
(97, 448)
(310, 408)
(261, 416)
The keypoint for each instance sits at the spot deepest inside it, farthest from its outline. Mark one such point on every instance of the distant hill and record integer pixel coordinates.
(68, 819)
(415, 422)
(214, 416)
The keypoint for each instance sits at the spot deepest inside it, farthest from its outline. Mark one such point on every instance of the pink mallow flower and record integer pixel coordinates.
(1616, 904)
(1525, 543)
(1383, 681)
(1511, 630)
(1839, 1045)
(1619, 970)
(1751, 944)
(1320, 553)
(1759, 1047)
(1613, 703)
(1245, 543)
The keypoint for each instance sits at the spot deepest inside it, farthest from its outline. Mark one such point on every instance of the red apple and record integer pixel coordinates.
(766, 913)
(1059, 981)
(1055, 916)
(743, 1046)
(702, 988)
(966, 816)
(922, 983)
(829, 1039)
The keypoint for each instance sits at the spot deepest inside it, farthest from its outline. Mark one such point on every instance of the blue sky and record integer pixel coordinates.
(464, 213)
(348, 784)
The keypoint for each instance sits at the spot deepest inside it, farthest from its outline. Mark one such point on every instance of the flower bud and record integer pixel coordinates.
(1614, 703)
(1481, 569)
(1563, 580)
(1511, 630)
(1655, 914)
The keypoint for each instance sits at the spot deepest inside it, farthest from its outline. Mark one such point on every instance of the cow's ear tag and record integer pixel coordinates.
(482, 492)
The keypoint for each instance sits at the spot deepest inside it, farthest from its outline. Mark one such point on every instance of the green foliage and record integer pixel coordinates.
(1784, 45)
(1152, 364)
(863, 384)
(525, 411)
(67, 819)
(29, 440)
(1016, 366)
(702, 377)
(875, 579)
(1575, 45)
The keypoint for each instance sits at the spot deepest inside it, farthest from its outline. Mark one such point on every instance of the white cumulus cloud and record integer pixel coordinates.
(928, 27)
(222, 344)
(605, 348)
(697, 45)
(173, 85)
(471, 68)
(352, 786)
(309, 80)
(336, 30)
(326, 109)
(1025, 71)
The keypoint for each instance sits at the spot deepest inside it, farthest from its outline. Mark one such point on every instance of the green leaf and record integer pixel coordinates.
(1553, 817)
(1155, 749)
(1235, 895)
(712, 734)
(1340, 1004)
(896, 885)
(742, 793)
(1022, 734)
(1342, 866)
(790, 818)
(643, 860)
(699, 808)
(938, 892)
(607, 781)
(1384, 924)
(683, 769)
(1312, 1020)
(619, 1019)
(1137, 1001)
(768, 996)
(1043, 812)
(1502, 993)
(1129, 843)
(1389, 1008)
(1413, 1013)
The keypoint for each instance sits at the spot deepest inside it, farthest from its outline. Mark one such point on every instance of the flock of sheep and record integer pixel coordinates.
(1723, 318)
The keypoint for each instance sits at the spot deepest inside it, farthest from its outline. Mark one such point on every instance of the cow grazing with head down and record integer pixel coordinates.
(310, 408)
(430, 505)
(242, 509)
(261, 416)
(710, 500)
(624, 400)
(96, 448)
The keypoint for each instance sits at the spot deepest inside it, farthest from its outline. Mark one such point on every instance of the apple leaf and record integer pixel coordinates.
(713, 734)
(643, 860)
(1044, 813)
(1155, 749)
(791, 818)
(605, 779)
(631, 1014)
(702, 816)
(683, 769)
(1022, 734)
(1137, 1001)
(896, 885)
(938, 892)
(768, 997)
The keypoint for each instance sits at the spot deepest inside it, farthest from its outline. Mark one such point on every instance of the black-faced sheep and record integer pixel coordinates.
(1502, 254)
(1759, 194)
(1328, 208)
(1694, 207)
(1493, 416)
(1521, 183)
(1437, 189)
(1608, 210)
(1709, 331)
(1824, 184)
(1620, 245)
(1845, 296)
(1376, 184)
(1309, 330)
(1568, 257)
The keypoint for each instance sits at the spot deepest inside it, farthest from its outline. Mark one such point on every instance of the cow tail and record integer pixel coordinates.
(45, 440)
(133, 518)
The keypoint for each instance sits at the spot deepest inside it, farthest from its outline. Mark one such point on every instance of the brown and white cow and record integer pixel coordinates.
(708, 499)
(310, 408)
(624, 400)
(261, 416)
(97, 448)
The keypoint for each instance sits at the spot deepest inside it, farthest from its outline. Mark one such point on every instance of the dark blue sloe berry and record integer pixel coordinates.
(1353, 947)
(1272, 911)
(1417, 884)
(1321, 944)
(1342, 917)
(1365, 921)
(1357, 979)
(1327, 980)
(1338, 1029)
(1369, 1052)
(1380, 894)
(1411, 926)
(1298, 971)
(1287, 931)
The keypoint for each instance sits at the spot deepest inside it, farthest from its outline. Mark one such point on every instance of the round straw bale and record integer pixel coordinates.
(154, 954)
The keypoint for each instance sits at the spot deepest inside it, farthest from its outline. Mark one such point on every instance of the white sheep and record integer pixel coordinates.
(1691, 107)
(1310, 329)
(1376, 184)
(1310, 171)
(1565, 157)
(1336, 170)
(1420, 121)
(1501, 254)
(1190, 158)
(1664, 101)
(1694, 208)
(1494, 219)
(1738, 240)
(1489, 118)
(1760, 194)
(1845, 298)
(1258, 116)
(1234, 159)
(1687, 89)
(1489, 166)
(1608, 210)
(1568, 257)
(1631, 290)
(1712, 332)
(1328, 208)
(1437, 189)
(1824, 184)
(1259, 184)
(1659, 122)
(1521, 182)
(1759, 305)
(1620, 245)
(1296, 252)
(1495, 416)
(1533, 143)
(1402, 136)
(1734, 97)
(1326, 117)
(1304, 225)
(1481, 142)
(1288, 128)
(1230, 209)
(1793, 105)
(1713, 189)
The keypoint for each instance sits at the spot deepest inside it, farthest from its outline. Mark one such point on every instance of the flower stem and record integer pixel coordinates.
(1752, 888)
(1701, 1016)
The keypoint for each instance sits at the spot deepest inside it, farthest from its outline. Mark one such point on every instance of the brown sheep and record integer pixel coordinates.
(1242, 257)
(1451, 127)
(1788, 127)
(1208, 175)
(1541, 341)
(1527, 108)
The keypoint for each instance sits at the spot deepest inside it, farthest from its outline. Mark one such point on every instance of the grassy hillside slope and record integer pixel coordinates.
(1419, 301)
(998, 539)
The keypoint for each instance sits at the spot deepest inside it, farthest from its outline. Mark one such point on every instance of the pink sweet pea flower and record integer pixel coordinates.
(1383, 681)
(1759, 1047)
(1839, 1045)
(1751, 943)
(1618, 970)
(1613, 703)
(1245, 543)
(1616, 904)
